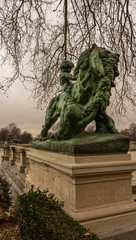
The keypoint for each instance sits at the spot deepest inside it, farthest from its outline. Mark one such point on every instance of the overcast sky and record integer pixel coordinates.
(19, 108)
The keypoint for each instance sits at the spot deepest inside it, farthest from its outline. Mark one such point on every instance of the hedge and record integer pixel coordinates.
(40, 216)
(5, 195)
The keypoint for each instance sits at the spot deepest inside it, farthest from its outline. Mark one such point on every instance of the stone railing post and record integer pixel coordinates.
(12, 155)
(21, 160)
(6, 152)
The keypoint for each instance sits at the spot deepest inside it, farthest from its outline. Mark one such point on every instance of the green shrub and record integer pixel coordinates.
(41, 217)
(5, 195)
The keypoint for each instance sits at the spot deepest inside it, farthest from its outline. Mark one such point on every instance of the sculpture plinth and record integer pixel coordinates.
(87, 144)
(96, 189)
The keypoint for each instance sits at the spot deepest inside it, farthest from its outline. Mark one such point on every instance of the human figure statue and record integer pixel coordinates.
(65, 77)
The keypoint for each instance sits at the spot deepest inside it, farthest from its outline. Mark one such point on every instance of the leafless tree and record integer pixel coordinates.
(15, 132)
(131, 132)
(35, 37)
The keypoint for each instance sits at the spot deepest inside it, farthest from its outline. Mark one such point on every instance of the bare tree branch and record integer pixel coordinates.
(32, 42)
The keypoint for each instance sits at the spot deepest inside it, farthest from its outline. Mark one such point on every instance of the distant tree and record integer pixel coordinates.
(37, 137)
(26, 137)
(125, 132)
(14, 130)
(16, 134)
(4, 133)
(131, 132)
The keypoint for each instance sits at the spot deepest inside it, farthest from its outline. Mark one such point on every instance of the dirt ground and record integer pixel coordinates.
(8, 228)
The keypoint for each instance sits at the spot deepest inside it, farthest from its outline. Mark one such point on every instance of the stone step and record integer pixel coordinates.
(15, 179)
(18, 178)
(15, 190)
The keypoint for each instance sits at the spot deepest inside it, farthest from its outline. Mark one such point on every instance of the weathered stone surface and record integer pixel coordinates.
(87, 144)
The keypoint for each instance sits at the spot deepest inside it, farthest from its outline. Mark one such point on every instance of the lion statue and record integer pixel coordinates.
(85, 95)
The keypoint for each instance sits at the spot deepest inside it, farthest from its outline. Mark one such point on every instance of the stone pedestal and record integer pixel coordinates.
(96, 190)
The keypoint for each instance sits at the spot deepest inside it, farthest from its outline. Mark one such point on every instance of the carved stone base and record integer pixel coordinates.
(108, 220)
(96, 190)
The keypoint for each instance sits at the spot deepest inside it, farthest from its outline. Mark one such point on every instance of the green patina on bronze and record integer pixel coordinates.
(80, 103)
(85, 100)
(87, 145)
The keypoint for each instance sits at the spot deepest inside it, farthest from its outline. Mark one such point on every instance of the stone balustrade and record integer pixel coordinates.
(16, 155)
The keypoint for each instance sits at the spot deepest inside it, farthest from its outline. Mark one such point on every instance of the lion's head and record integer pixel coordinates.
(100, 60)
(93, 65)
